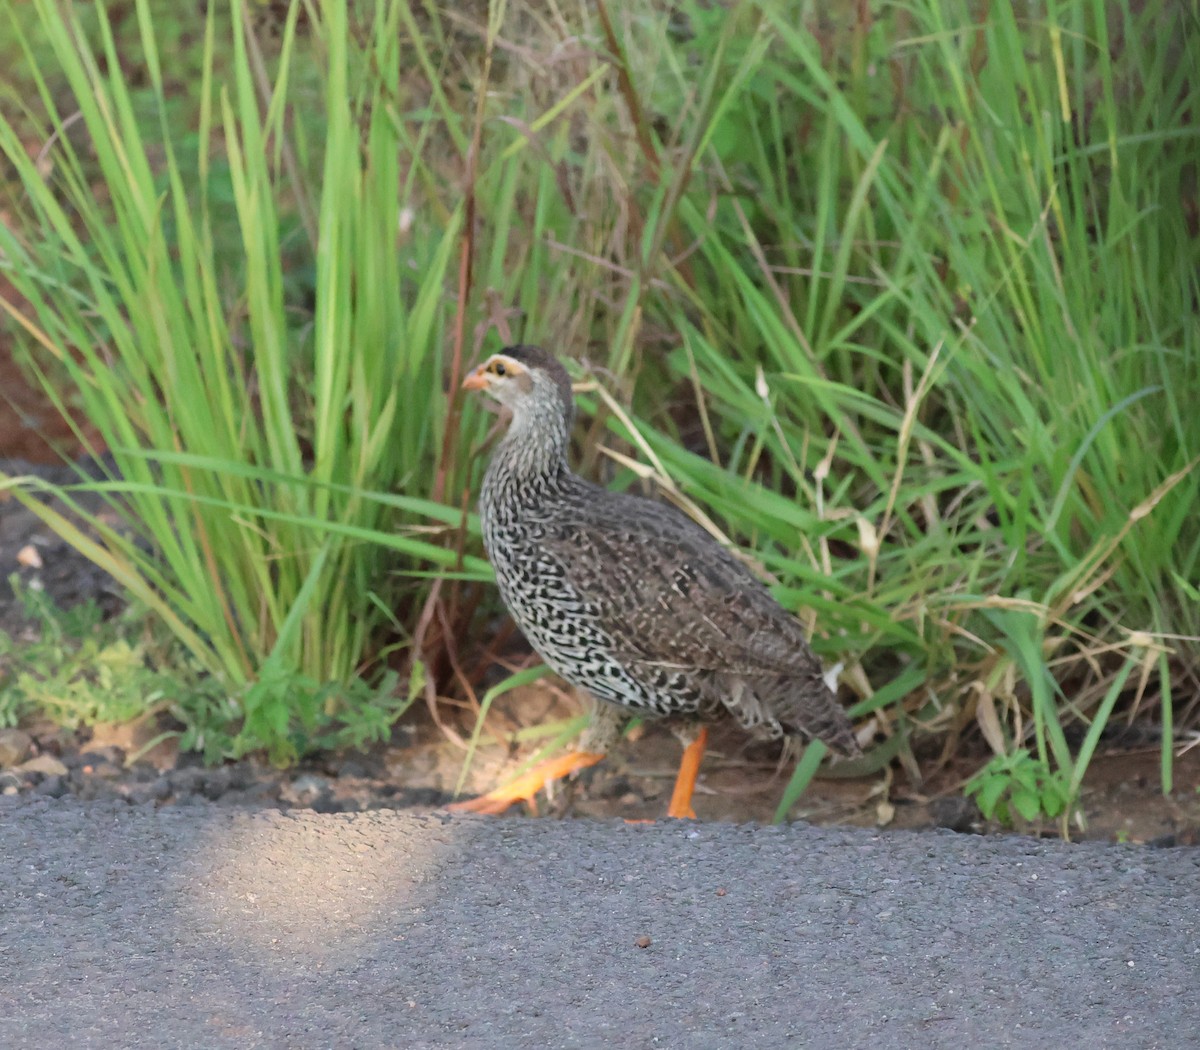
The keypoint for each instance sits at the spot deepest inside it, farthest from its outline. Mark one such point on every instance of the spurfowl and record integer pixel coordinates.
(629, 600)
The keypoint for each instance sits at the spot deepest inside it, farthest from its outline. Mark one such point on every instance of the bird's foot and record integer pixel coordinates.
(526, 786)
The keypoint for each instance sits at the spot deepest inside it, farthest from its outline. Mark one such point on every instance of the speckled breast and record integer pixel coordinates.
(560, 623)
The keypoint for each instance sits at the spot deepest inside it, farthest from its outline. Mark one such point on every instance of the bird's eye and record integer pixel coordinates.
(499, 368)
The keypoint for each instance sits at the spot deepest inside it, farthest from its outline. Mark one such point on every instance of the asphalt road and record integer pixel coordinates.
(201, 926)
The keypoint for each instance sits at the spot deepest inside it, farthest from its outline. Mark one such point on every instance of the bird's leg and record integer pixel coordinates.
(594, 743)
(685, 780)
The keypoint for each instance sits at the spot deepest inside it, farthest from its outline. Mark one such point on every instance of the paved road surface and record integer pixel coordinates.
(207, 927)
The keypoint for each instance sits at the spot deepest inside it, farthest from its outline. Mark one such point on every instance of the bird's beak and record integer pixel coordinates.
(477, 380)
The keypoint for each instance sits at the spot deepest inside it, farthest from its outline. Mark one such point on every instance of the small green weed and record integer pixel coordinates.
(1020, 785)
(82, 669)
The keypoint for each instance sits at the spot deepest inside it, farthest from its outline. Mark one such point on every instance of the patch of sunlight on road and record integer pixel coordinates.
(312, 886)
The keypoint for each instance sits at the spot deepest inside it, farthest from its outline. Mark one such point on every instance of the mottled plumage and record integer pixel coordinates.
(626, 597)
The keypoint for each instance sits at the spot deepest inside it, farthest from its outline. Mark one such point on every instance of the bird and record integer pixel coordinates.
(630, 601)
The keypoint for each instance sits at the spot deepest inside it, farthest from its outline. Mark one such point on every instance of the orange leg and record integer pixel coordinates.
(525, 787)
(685, 781)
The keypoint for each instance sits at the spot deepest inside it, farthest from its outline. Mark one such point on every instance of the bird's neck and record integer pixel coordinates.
(532, 455)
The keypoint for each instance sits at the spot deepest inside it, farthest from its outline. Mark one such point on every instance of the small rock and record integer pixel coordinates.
(309, 784)
(186, 781)
(28, 556)
(304, 789)
(190, 799)
(45, 764)
(242, 775)
(216, 783)
(15, 745)
(326, 803)
(143, 794)
(256, 795)
(354, 767)
(51, 787)
(956, 813)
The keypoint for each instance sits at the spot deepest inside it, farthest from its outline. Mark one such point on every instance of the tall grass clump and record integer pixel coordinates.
(253, 322)
(939, 324)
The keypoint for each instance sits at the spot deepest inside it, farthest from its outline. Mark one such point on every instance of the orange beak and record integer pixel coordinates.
(477, 380)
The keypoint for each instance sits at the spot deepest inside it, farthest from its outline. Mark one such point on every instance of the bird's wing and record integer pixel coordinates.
(669, 594)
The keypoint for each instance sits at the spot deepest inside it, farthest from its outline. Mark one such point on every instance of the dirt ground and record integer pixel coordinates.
(1122, 799)
(420, 767)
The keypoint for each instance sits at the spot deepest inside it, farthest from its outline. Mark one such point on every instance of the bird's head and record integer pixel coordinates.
(527, 380)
